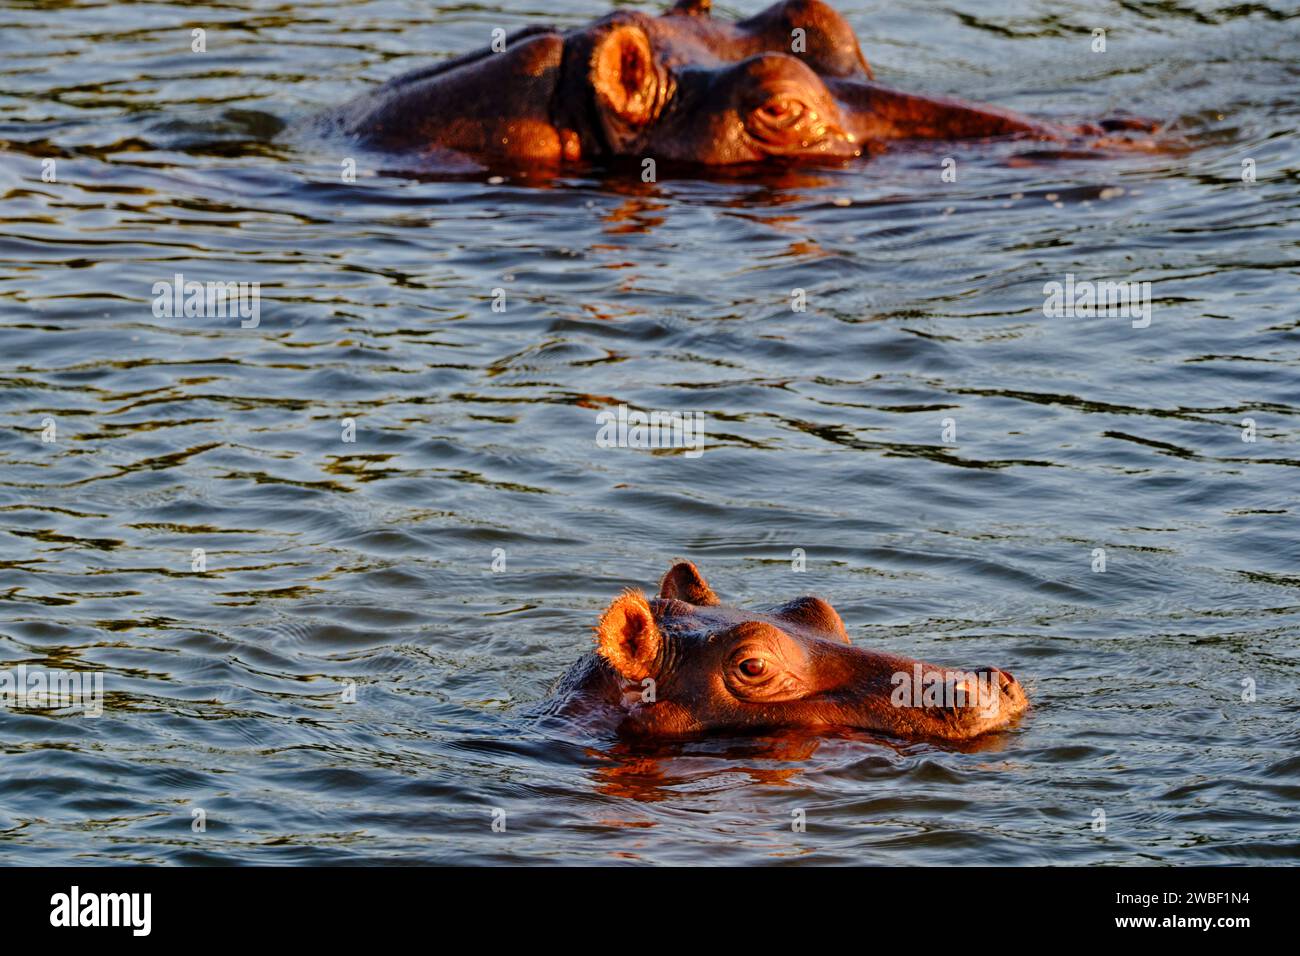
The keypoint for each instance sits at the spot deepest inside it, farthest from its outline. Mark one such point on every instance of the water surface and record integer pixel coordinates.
(371, 562)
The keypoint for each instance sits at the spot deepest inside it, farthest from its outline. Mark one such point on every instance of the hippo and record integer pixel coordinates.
(789, 84)
(684, 665)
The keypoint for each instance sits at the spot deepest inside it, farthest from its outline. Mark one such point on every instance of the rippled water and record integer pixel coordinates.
(370, 562)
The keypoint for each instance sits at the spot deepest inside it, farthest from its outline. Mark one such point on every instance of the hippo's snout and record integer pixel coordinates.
(1013, 700)
(925, 700)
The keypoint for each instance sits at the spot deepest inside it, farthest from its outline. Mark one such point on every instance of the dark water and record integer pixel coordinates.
(370, 562)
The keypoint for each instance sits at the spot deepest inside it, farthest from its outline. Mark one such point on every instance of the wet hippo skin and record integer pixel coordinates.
(684, 664)
(789, 84)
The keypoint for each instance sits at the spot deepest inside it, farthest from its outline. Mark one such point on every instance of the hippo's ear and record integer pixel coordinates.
(627, 83)
(628, 637)
(685, 583)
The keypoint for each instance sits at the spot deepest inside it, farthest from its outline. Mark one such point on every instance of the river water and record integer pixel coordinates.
(1166, 688)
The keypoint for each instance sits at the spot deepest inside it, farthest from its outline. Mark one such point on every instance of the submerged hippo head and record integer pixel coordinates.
(690, 88)
(787, 84)
(683, 663)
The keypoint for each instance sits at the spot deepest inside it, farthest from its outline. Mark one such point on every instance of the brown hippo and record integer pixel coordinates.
(684, 664)
(787, 84)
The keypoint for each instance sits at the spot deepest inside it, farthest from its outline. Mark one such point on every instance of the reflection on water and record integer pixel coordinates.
(348, 680)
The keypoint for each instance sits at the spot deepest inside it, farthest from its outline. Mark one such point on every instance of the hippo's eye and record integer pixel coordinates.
(765, 664)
